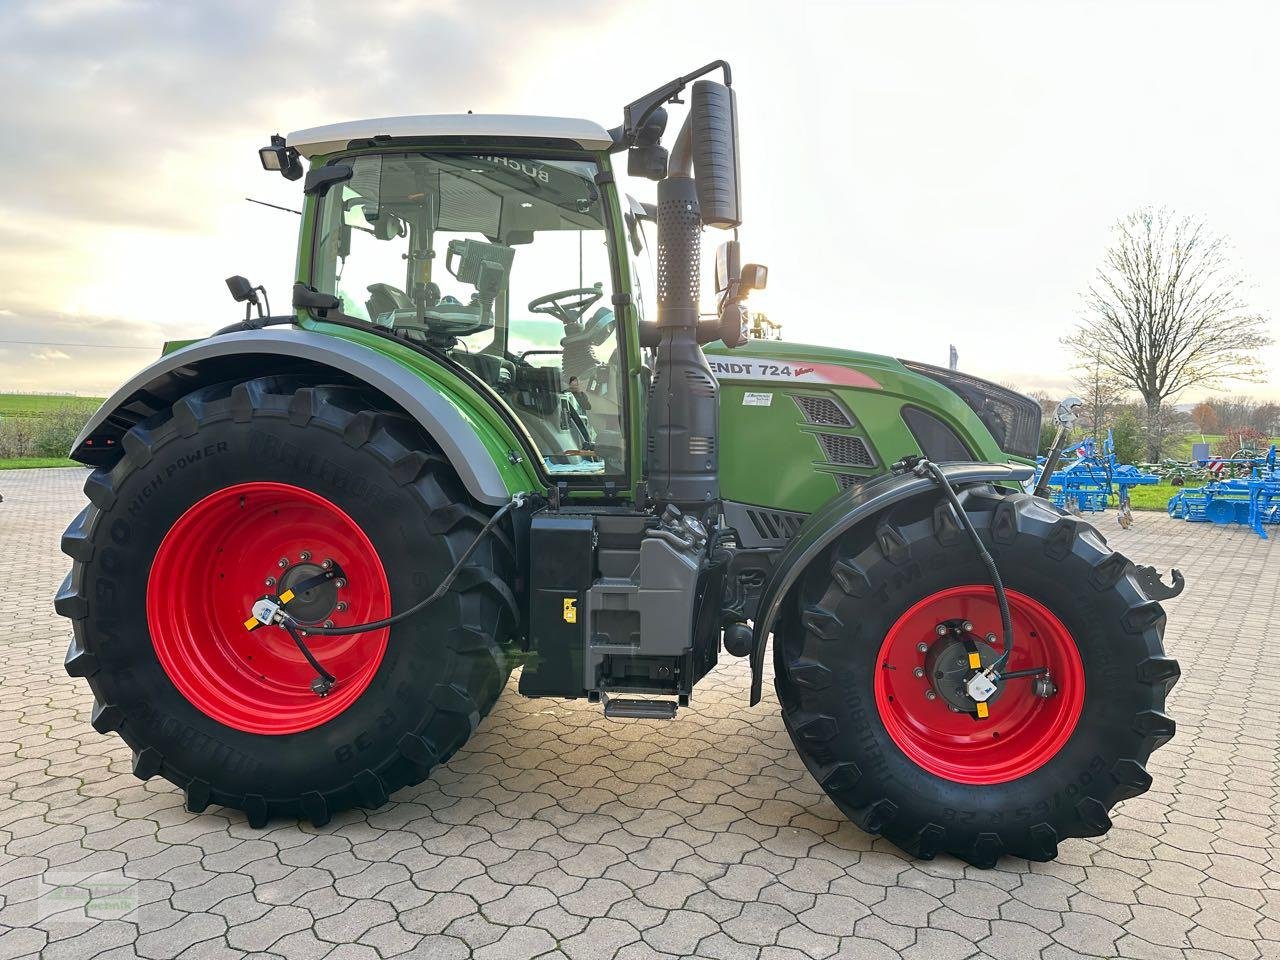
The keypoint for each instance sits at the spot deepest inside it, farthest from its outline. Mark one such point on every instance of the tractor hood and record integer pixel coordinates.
(835, 418)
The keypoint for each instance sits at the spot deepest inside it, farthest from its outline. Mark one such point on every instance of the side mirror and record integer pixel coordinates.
(733, 283)
(728, 258)
(242, 291)
(713, 113)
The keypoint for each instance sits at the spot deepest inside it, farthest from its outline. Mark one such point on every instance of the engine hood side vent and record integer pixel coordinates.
(823, 411)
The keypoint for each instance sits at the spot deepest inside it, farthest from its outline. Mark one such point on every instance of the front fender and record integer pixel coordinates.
(484, 457)
(840, 514)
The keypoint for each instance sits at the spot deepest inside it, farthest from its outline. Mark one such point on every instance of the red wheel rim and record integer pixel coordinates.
(1022, 733)
(211, 567)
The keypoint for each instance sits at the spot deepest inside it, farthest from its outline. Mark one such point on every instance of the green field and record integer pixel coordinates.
(1155, 497)
(30, 463)
(35, 404)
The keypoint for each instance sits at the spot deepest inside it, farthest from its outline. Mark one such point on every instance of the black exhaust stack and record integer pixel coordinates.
(683, 428)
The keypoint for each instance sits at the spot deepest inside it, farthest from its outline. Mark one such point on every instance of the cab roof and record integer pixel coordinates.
(317, 141)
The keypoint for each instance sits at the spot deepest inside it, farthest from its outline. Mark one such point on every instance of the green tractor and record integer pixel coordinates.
(317, 544)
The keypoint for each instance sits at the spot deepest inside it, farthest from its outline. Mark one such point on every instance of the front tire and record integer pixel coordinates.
(234, 493)
(902, 761)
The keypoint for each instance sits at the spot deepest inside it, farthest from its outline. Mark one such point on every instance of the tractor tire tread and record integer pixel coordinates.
(358, 419)
(835, 589)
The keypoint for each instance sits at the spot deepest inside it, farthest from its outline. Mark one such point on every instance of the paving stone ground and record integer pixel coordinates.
(558, 833)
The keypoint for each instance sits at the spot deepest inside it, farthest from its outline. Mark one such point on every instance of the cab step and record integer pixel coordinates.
(630, 709)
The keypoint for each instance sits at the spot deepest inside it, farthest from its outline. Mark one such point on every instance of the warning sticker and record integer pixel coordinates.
(757, 399)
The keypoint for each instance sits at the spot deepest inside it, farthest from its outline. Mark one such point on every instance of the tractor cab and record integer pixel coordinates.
(497, 256)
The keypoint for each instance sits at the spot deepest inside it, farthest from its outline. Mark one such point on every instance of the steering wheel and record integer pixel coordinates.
(576, 302)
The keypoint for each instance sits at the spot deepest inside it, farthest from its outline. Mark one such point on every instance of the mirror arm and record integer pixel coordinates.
(638, 111)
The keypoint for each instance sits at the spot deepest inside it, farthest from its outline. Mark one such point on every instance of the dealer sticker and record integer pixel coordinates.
(757, 399)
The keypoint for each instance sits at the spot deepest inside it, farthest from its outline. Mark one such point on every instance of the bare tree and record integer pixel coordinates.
(1102, 392)
(1166, 312)
(1267, 418)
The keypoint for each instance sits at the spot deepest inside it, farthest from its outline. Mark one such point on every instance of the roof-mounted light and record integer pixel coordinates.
(281, 158)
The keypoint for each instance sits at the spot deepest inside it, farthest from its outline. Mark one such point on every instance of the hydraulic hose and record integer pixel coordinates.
(290, 624)
(1006, 623)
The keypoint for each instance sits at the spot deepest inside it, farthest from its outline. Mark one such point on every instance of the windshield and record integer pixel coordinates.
(502, 263)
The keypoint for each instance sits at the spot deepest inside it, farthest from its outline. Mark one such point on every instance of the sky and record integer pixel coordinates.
(914, 174)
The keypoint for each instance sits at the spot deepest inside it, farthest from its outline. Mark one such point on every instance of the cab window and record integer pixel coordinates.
(503, 264)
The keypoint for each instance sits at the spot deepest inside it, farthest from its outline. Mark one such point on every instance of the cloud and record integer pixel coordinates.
(72, 353)
(111, 111)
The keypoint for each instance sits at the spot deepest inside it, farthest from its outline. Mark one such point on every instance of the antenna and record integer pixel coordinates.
(274, 206)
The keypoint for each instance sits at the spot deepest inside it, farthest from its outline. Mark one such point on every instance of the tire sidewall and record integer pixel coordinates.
(1109, 654)
(150, 498)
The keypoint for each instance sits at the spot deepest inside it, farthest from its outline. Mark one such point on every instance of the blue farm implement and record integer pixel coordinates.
(1087, 484)
(1252, 500)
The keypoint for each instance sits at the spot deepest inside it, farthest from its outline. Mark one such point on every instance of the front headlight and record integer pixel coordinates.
(1013, 419)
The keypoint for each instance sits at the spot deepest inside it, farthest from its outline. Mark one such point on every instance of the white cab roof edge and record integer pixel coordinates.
(335, 136)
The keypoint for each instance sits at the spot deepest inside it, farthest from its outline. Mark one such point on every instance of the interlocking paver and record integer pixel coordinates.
(558, 833)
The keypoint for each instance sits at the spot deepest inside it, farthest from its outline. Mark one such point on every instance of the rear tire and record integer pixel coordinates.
(423, 695)
(966, 794)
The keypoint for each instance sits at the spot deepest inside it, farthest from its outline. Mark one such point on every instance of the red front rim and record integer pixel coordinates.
(1022, 732)
(211, 567)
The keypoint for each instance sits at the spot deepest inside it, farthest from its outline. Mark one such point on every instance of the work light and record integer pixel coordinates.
(280, 158)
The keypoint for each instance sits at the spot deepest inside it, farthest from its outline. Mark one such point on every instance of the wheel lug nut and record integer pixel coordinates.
(991, 638)
(270, 581)
(922, 648)
(941, 629)
(967, 627)
(305, 555)
(328, 623)
(326, 564)
(342, 605)
(340, 583)
(930, 695)
(918, 672)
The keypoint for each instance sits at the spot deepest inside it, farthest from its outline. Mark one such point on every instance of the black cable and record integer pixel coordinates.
(1006, 623)
(255, 324)
(324, 674)
(289, 622)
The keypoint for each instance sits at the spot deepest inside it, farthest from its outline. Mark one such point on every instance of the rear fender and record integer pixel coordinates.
(839, 515)
(491, 462)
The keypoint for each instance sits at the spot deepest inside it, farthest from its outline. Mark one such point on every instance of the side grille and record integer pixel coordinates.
(701, 446)
(823, 411)
(849, 451)
(847, 480)
(775, 524)
(761, 527)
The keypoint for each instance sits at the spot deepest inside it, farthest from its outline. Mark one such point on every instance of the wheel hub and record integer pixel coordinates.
(948, 667)
(315, 603)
